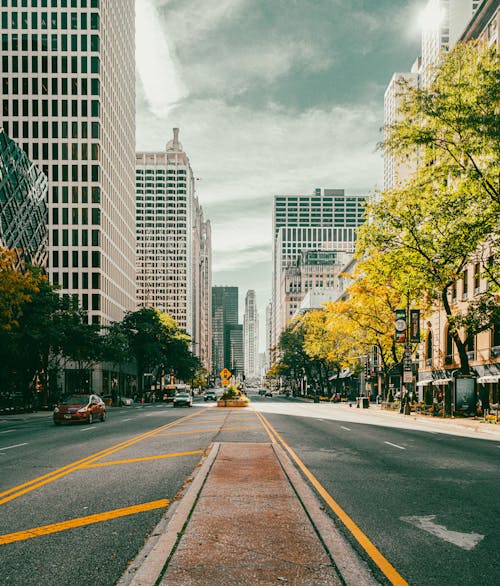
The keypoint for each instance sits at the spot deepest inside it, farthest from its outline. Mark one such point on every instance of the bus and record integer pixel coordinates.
(171, 390)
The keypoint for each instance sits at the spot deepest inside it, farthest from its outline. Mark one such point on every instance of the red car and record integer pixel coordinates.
(80, 407)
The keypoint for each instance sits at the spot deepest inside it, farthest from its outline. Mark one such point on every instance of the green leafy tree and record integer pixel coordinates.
(430, 227)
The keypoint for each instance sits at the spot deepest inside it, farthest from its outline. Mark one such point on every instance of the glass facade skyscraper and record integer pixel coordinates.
(23, 208)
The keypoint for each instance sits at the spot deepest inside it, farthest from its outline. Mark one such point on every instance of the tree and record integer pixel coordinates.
(430, 227)
(16, 289)
(157, 343)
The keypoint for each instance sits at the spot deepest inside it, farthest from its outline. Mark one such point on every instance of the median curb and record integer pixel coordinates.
(148, 565)
(154, 563)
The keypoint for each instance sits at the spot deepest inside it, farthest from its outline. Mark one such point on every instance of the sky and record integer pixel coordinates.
(271, 97)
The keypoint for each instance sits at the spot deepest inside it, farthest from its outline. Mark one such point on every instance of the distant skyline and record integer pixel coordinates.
(271, 96)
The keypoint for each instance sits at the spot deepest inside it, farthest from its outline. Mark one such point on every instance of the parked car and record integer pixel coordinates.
(79, 407)
(262, 392)
(210, 396)
(268, 394)
(183, 399)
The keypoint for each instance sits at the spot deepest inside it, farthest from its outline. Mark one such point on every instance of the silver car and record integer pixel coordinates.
(183, 400)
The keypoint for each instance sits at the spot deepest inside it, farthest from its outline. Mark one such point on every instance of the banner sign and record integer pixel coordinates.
(400, 325)
(414, 325)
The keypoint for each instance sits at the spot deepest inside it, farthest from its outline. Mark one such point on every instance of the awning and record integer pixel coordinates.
(345, 373)
(489, 378)
(422, 383)
(442, 381)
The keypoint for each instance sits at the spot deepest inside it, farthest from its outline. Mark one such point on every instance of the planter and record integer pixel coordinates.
(232, 403)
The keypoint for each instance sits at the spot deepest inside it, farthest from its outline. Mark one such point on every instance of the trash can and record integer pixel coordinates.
(362, 402)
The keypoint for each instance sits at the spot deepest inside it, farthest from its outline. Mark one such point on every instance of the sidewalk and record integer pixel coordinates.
(248, 518)
(468, 426)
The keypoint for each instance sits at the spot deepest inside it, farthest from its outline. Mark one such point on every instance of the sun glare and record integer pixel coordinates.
(432, 16)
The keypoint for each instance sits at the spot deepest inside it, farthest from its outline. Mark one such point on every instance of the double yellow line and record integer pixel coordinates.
(17, 491)
(380, 560)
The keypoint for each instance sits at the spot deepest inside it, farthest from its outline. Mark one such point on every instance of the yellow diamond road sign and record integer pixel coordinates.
(225, 373)
(224, 382)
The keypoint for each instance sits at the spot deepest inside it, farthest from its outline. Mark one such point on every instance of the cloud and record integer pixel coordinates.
(191, 20)
(243, 158)
(239, 70)
(161, 83)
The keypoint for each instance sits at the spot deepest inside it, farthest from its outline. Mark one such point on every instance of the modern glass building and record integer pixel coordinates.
(23, 208)
(224, 317)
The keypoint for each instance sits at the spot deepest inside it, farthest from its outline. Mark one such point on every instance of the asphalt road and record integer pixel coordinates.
(428, 501)
(153, 467)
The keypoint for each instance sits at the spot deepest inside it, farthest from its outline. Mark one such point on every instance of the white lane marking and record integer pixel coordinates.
(87, 428)
(129, 419)
(464, 540)
(148, 414)
(346, 428)
(7, 431)
(395, 445)
(16, 446)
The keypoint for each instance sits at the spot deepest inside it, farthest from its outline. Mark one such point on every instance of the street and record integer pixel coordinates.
(79, 501)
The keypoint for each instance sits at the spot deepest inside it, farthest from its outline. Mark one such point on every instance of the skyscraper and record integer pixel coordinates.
(224, 316)
(251, 336)
(326, 220)
(68, 99)
(173, 243)
(443, 21)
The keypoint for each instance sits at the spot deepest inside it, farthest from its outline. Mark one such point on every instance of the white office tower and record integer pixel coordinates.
(324, 221)
(396, 172)
(68, 99)
(205, 297)
(251, 336)
(173, 241)
(443, 22)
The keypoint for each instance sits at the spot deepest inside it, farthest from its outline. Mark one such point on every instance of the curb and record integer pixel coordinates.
(352, 569)
(148, 565)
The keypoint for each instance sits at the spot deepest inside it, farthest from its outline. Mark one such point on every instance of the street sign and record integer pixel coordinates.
(225, 373)
(224, 382)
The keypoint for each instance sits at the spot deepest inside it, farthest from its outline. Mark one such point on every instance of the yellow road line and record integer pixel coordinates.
(188, 432)
(26, 487)
(382, 562)
(144, 459)
(241, 427)
(81, 521)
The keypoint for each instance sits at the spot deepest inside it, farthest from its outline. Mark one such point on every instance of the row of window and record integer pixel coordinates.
(78, 259)
(78, 237)
(57, 64)
(79, 216)
(51, 3)
(160, 171)
(33, 86)
(53, 42)
(81, 278)
(34, 20)
(57, 130)
(57, 108)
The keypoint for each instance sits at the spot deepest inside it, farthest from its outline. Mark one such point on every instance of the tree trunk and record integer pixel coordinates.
(462, 350)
